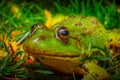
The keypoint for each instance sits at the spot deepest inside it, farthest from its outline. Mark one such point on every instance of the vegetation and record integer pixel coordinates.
(16, 18)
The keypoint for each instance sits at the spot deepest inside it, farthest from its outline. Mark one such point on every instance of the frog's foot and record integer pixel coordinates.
(92, 71)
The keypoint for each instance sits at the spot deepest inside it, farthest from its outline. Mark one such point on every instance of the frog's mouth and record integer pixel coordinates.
(50, 54)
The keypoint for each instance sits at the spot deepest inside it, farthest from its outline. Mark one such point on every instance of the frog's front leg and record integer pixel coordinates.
(92, 71)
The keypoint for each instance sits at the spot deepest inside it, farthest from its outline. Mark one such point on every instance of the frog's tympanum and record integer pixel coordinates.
(66, 44)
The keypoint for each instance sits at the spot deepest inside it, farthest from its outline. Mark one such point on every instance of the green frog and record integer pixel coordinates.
(64, 46)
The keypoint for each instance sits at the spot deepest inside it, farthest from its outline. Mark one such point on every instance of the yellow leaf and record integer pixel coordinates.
(49, 18)
(53, 20)
(14, 47)
(58, 18)
(15, 10)
(0, 37)
(5, 39)
(15, 33)
(3, 54)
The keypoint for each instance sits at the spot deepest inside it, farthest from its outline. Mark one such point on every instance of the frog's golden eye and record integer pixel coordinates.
(62, 34)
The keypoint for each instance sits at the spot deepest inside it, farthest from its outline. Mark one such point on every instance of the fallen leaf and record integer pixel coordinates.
(49, 18)
(15, 10)
(53, 20)
(15, 33)
(14, 47)
(3, 54)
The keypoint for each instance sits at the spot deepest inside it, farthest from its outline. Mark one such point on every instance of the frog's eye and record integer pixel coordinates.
(62, 34)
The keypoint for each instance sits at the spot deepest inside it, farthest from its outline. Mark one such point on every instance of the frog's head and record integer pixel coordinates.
(63, 39)
(52, 42)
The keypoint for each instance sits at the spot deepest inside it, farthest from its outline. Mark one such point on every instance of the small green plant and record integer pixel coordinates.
(9, 66)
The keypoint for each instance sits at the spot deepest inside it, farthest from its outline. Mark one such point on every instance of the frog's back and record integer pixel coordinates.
(82, 24)
(90, 31)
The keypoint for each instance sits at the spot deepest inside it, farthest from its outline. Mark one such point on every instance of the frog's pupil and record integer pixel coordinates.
(64, 32)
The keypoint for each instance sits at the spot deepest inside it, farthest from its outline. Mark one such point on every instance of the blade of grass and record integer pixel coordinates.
(24, 37)
(59, 8)
(108, 54)
(21, 73)
(44, 71)
(17, 54)
(44, 77)
(74, 78)
(76, 6)
(96, 58)
(16, 65)
(6, 60)
(93, 75)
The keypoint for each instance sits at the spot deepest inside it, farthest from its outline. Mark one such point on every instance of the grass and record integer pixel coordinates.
(21, 15)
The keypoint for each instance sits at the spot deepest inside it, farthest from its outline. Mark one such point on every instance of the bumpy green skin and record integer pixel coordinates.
(84, 33)
(80, 28)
